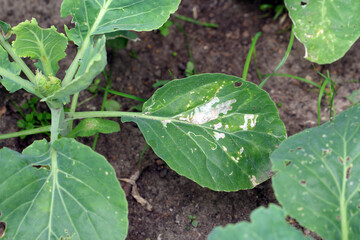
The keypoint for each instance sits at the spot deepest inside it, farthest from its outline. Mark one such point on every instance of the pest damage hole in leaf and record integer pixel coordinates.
(237, 84)
(2, 229)
(303, 182)
(348, 171)
(287, 163)
(341, 160)
(42, 167)
(299, 148)
(326, 152)
(303, 3)
(348, 159)
(359, 206)
(291, 150)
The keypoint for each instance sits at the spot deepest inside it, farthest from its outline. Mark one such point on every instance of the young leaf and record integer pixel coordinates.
(112, 105)
(68, 192)
(213, 132)
(94, 17)
(91, 126)
(46, 45)
(318, 177)
(265, 224)
(93, 63)
(12, 67)
(165, 28)
(327, 28)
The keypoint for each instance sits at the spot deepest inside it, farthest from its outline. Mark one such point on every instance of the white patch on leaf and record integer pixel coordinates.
(249, 118)
(218, 135)
(241, 150)
(234, 159)
(218, 126)
(209, 111)
(165, 122)
(253, 180)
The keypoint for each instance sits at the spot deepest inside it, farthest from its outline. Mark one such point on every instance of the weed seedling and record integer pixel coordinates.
(34, 118)
(193, 221)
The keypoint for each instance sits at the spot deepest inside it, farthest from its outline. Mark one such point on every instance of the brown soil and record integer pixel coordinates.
(224, 50)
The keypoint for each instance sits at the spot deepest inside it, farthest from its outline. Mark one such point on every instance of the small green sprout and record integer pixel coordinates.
(46, 85)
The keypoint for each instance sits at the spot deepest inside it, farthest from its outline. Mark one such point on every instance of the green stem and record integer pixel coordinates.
(124, 95)
(108, 86)
(250, 53)
(287, 53)
(25, 132)
(84, 46)
(30, 75)
(76, 62)
(204, 24)
(294, 77)
(343, 203)
(74, 102)
(87, 99)
(100, 114)
(56, 114)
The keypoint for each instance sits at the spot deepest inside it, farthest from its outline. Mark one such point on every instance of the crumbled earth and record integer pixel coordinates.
(141, 64)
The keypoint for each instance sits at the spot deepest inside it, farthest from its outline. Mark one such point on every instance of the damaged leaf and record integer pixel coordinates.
(317, 180)
(209, 130)
(326, 28)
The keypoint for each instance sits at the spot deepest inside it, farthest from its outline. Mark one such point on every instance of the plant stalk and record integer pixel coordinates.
(56, 117)
(85, 44)
(25, 132)
(108, 78)
(125, 95)
(100, 114)
(74, 102)
(5, 44)
(343, 203)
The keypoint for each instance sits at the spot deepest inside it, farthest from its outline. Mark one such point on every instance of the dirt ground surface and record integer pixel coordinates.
(223, 50)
